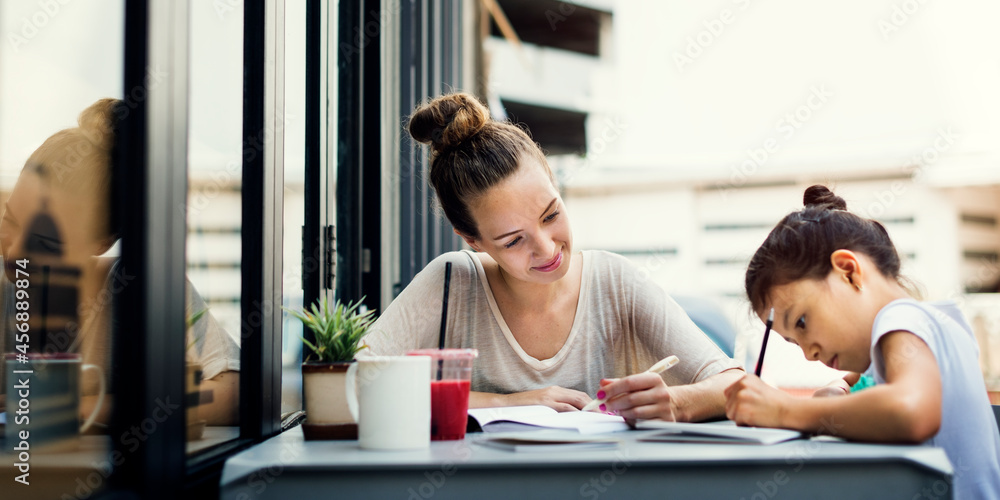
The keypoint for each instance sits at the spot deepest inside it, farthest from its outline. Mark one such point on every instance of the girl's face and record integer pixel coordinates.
(826, 318)
(523, 225)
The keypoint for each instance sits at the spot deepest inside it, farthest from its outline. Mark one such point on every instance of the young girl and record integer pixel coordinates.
(833, 280)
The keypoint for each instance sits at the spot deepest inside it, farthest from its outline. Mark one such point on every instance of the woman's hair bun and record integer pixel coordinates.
(821, 195)
(97, 122)
(448, 120)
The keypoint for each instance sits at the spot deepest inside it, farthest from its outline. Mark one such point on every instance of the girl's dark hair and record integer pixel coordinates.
(470, 153)
(799, 247)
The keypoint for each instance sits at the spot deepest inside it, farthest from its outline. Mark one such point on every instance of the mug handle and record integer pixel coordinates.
(350, 390)
(100, 398)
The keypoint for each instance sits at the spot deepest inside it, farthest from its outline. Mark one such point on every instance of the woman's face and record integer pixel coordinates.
(523, 225)
(23, 203)
(78, 237)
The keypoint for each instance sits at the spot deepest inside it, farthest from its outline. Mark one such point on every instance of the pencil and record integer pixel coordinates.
(763, 346)
(660, 366)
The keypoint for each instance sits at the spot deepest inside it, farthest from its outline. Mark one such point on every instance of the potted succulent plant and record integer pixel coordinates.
(338, 331)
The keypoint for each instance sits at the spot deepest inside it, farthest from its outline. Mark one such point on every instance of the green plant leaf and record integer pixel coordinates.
(192, 319)
(338, 330)
(189, 322)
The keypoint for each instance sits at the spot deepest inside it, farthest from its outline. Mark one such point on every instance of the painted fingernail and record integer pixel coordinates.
(600, 394)
(603, 408)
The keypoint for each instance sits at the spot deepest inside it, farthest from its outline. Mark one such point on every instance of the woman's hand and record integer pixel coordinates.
(749, 401)
(555, 397)
(643, 395)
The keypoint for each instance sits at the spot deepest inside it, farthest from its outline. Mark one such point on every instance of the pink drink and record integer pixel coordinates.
(449, 409)
(451, 372)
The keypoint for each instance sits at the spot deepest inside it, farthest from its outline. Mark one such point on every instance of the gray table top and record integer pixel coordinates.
(289, 451)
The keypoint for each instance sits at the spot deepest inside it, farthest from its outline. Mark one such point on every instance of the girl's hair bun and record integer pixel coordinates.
(819, 195)
(448, 120)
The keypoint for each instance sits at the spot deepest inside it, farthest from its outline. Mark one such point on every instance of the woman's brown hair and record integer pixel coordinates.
(470, 153)
(78, 162)
(799, 247)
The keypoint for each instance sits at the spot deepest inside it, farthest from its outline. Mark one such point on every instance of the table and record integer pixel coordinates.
(288, 467)
(213, 435)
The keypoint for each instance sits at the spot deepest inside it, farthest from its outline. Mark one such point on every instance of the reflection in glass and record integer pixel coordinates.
(59, 64)
(57, 289)
(214, 221)
(294, 205)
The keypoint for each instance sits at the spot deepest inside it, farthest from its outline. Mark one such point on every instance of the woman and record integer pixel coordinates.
(549, 323)
(67, 182)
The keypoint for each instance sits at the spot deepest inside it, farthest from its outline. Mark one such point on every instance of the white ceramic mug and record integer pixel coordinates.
(391, 402)
(48, 384)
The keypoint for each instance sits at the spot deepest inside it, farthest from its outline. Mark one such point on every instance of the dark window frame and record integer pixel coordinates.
(150, 179)
(430, 64)
(150, 175)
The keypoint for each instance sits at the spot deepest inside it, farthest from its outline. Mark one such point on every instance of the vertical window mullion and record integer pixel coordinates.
(150, 177)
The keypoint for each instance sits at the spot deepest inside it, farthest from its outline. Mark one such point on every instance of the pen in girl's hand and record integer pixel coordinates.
(659, 367)
(763, 346)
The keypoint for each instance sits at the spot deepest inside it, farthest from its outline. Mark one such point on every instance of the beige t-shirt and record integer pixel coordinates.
(623, 325)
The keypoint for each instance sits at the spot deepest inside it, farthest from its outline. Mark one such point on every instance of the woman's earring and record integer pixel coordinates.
(859, 286)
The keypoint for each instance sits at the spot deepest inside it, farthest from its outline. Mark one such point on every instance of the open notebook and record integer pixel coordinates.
(537, 417)
(714, 432)
(547, 440)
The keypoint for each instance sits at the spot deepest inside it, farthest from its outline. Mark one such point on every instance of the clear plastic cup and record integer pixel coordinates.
(451, 374)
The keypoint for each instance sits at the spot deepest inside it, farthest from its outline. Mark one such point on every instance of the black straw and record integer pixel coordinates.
(444, 316)
(763, 346)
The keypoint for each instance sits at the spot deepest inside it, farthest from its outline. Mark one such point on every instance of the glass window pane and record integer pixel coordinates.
(294, 204)
(60, 81)
(214, 218)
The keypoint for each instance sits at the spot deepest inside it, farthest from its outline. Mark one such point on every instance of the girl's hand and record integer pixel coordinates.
(749, 401)
(555, 397)
(838, 387)
(643, 395)
(830, 390)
